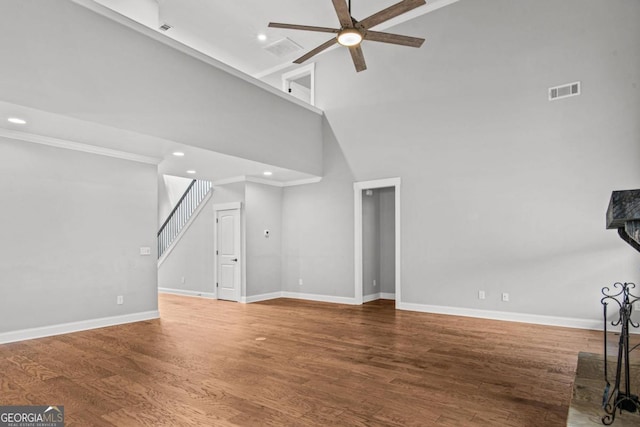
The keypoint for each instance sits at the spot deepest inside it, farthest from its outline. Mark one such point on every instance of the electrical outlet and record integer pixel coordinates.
(375, 283)
(481, 295)
(182, 280)
(300, 282)
(120, 300)
(505, 297)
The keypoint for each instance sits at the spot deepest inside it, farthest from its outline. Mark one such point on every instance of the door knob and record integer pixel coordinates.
(234, 259)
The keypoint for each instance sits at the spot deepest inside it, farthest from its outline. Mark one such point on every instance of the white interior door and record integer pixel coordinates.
(228, 254)
(300, 92)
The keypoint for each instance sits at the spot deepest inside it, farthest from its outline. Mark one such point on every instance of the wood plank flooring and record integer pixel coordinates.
(204, 363)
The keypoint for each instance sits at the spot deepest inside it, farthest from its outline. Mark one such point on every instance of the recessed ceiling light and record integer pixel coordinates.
(262, 37)
(178, 153)
(17, 121)
(191, 171)
(267, 173)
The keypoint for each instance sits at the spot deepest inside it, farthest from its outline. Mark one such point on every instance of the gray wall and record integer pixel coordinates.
(317, 221)
(370, 243)
(387, 230)
(170, 190)
(378, 241)
(229, 193)
(189, 266)
(102, 71)
(263, 211)
(73, 227)
(192, 258)
(502, 190)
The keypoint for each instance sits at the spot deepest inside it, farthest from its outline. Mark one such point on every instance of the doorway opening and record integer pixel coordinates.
(377, 240)
(300, 83)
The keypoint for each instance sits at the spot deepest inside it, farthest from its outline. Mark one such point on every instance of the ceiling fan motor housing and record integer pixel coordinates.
(350, 37)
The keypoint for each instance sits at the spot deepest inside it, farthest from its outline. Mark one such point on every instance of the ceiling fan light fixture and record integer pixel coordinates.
(349, 37)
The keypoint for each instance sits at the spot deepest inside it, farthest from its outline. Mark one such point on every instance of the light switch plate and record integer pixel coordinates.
(145, 250)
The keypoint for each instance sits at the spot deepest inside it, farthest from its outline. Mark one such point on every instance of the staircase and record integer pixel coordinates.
(195, 194)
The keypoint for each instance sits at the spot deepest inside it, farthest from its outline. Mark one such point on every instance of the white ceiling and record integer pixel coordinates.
(228, 30)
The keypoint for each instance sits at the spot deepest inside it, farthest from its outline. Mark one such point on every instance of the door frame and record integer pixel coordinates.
(309, 70)
(243, 268)
(358, 187)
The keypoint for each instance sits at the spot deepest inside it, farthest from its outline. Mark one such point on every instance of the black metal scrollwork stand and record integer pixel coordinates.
(619, 398)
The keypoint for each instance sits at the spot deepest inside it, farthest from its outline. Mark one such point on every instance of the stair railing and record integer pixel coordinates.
(179, 216)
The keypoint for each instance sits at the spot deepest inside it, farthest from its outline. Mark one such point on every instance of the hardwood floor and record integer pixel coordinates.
(297, 363)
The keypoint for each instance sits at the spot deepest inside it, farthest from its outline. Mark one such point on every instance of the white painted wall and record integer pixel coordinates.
(73, 227)
(263, 211)
(502, 190)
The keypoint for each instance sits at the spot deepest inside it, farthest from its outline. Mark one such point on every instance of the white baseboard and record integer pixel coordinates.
(568, 322)
(377, 296)
(537, 319)
(261, 297)
(371, 297)
(320, 298)
(66, 328)
(187, 293)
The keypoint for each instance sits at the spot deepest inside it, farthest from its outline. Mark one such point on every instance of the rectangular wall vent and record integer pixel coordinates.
(564, 91)
(165, 27)
(283, 47)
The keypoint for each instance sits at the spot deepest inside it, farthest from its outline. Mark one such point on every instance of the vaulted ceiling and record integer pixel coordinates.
(97, 89)
(229, 30)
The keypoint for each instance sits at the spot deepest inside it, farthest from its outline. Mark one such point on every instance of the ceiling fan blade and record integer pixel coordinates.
(343, 13)
(358, 58)
(316, 51)
(377, 36)
(303, 27)
(390, 12)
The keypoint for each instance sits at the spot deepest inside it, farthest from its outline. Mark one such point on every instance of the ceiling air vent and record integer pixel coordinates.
(283, 47)
(564, 91)
(165, 27)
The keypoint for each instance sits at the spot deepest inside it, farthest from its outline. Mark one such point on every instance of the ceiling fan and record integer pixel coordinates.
(352, 32)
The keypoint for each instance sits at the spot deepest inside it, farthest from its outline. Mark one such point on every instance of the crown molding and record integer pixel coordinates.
(304, 181)
(271, 182)
(76, 146)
